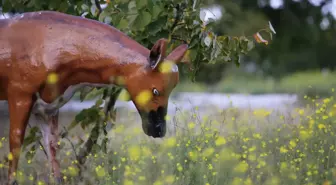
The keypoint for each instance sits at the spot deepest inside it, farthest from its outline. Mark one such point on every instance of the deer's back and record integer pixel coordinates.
(47, 38)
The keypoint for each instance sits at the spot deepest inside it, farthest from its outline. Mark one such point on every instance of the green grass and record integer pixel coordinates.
(310, 83)
(227, 147)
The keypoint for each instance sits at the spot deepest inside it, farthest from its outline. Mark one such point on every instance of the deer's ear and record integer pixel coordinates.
(157, 53)
(178, 53)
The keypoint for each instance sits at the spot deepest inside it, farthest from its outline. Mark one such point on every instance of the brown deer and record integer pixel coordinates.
(78, 50)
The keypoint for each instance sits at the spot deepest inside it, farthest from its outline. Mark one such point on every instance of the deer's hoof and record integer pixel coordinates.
(59, 180)
(14, 182)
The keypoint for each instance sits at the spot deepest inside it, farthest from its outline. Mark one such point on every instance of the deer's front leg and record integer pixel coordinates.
(20, 105)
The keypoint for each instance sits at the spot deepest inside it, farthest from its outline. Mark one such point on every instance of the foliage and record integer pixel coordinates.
(305, 33)
(229, 147)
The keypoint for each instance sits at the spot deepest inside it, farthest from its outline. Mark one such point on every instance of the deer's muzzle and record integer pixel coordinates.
(154, 123)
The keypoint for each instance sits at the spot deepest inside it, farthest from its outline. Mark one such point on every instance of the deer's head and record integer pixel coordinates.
(150, 87)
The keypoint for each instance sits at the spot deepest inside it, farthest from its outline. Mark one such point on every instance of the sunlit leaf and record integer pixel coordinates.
(259, 38)
(271, 27)
(124, 95)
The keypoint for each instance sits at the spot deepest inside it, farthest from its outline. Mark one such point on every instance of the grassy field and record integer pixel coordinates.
(309, 83)
(227, 147)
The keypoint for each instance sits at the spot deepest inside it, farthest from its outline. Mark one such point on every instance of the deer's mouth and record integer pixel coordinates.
(154, 123)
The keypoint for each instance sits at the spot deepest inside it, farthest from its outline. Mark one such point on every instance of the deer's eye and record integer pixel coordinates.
(156, 92)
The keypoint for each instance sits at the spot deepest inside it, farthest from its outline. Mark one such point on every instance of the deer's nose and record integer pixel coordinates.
(156, 123)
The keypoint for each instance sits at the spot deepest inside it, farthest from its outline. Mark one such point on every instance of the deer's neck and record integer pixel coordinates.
(103, 70)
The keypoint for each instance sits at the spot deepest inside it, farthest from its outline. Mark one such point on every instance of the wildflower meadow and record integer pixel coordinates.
(226, 147)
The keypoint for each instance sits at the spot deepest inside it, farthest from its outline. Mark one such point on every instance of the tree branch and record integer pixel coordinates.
(98, 7)
(179, 39)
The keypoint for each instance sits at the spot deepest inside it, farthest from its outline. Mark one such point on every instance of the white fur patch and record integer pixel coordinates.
(175, 68)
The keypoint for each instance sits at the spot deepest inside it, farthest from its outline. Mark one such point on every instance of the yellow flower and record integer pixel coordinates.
(166, 66)
(208, 152)
(248, 181)
(170, 142)
(143, 98)
(10, 156)
(241, 167)
(128, 182)
(327, 100)
(193, 155)
(142, 178)
(52, 78)
(237, 181)
(73, 171)
(283, 150)
(292, 144)
(170, 179)
(191, 125)
(261, 113)
(220, 141)
(134, 152)
(31, 178)
(100, 171)
(257, 136)
(321, 126)
(179, 167)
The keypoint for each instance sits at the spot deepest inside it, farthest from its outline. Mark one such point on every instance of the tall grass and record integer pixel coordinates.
(227, 147)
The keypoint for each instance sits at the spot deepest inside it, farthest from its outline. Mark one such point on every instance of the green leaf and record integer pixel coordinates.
(131, 19)
(99, 102)
(123, 24)
(156, 26)
(80, 116)
(104, 145)
(63, 7)
(102, 16)
(160, 34)
(84, 92)
(154, 9)
(132, 7)
(141, 3)
(142, 20)
(194, 41)
(31, 153)
(93, 10)
(250, 45)
(73, 124)
(54, 4)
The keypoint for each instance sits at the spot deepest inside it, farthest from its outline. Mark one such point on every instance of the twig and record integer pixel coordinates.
(179, 39)
(99, 7)
(45, 152)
